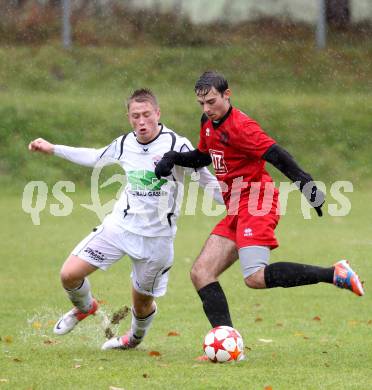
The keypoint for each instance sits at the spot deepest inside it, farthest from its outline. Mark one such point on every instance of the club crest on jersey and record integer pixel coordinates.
(248, 232)
(207, 132)
(218, 161)
(224, 138)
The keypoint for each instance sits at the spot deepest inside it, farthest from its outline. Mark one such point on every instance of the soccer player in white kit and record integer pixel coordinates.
(142, 224)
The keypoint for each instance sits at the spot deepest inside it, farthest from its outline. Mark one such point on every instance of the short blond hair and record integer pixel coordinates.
(142, 95)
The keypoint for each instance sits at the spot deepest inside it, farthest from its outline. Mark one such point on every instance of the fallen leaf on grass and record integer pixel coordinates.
(8, 339)
(102, 302)
(299, 334)
(353, 322)
(115, 388)
(268, 388)
(77, 366)
(316, 318)
(4, 380)
(258, 319)
(369, 322)
(265, 340)
(17, 360)
(145, 375)
(306, 337)
(154, 353)
(326, 364)
(37, 325)
(279, 324)
(173, 333)
(50, 342)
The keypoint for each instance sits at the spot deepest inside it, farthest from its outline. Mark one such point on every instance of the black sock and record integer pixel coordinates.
(293, 274)
(215, 305)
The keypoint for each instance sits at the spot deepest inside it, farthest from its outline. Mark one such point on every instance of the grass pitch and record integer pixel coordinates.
(313, 337)
(315, 103)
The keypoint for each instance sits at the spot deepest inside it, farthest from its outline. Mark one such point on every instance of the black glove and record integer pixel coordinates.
(314, 196)
(165, 165)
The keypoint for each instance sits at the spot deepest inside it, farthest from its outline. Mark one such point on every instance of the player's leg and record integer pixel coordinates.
(218, 254)
(74, 280)
(259, 274)
(149, 280)
(97, 250)
(254, 244)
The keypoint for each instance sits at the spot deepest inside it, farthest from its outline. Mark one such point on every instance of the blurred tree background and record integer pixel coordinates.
(173, 22)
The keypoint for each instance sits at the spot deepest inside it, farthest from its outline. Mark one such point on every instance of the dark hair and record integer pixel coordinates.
(143, 95)
(208, 80)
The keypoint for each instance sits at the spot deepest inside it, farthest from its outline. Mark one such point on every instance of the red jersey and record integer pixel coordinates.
(236, 145)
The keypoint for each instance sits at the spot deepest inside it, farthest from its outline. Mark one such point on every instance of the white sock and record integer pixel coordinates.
(140, 326)
(81, 297)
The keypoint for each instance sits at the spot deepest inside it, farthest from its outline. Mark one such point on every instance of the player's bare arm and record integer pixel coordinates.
(285, 163)
(41, 145)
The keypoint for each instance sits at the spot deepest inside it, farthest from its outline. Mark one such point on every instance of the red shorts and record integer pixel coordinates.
(248, 227)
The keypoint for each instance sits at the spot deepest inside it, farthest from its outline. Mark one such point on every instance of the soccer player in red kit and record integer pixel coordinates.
(239, 149)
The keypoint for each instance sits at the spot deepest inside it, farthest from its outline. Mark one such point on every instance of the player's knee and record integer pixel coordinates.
(256, 280)
(143, 309)
(194, 274)
(198, 274)
(68, 279)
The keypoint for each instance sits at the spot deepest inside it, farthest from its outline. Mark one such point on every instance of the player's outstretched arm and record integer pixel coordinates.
(193, 159)
(282, 160)
(41, 145)
(87, 157)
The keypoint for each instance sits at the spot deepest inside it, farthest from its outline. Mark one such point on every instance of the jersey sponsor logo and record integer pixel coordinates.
(218, 161)
(149, 193)
(145, 181)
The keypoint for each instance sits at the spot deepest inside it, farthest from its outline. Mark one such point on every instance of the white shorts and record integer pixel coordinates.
(152, 257)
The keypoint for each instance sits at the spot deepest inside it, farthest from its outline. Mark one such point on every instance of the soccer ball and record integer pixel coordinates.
(223, 344)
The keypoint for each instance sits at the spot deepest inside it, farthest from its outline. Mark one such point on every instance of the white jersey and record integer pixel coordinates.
(147, 206)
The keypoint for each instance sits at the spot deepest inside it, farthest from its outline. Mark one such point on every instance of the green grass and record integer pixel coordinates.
(332, 353)
(315, 103)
